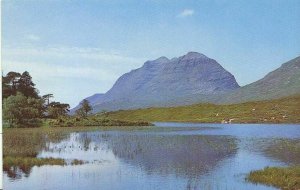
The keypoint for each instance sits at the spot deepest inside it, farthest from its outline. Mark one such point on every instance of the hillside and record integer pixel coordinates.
(285, 110)
(282, 82)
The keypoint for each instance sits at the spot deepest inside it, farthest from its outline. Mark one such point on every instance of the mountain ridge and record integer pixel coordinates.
(190, 79)
(168, 82)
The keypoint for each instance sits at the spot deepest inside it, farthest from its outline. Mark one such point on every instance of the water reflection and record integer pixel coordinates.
(187, 156)
(157, 159)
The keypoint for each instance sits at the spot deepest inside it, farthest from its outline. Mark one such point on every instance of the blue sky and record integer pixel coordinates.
(74, 49)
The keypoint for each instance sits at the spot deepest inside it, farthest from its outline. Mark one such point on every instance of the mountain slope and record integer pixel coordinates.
(284, 110)
(92, 100)
(162, 82)
(284, 81)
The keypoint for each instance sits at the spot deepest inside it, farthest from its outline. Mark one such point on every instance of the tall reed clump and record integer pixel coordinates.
(21, 147)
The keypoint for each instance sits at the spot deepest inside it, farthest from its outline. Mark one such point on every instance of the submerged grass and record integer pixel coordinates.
(286, 150)
(285, 110)
(283, 178)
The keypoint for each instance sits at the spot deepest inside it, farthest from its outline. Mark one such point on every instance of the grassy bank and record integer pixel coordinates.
(94, 120)
(285, 110)
(283, 178)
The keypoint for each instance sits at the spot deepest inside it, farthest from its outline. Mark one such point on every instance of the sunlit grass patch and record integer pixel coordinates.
(284, 178)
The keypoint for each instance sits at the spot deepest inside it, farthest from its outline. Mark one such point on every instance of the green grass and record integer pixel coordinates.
(285, 110)
(283, 178)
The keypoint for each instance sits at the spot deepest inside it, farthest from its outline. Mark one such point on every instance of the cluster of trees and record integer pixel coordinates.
(84, 109)
(22, 105)
(15, 82)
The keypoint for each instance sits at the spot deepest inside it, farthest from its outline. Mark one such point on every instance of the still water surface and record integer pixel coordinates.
(173, 156)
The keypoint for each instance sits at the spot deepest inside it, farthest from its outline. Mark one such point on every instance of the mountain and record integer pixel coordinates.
(282, 82)
(167, 82)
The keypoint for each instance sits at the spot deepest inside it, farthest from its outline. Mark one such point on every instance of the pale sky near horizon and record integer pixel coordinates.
(74, 49)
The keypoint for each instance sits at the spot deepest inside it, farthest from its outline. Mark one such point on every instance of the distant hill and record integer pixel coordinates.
(284, 110)
(162, 82)
(284, 81)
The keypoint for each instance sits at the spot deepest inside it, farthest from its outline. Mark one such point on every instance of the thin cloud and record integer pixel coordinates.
(186, 13)
(69, 62)
(83, 71)
(32, 37)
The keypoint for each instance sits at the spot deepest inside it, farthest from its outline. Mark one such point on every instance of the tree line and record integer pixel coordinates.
(24, 107)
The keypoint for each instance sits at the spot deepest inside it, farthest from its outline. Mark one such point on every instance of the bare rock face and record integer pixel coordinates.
(162, 82)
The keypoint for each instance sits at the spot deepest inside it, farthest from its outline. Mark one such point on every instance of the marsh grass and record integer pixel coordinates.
(29, 162)
(15, 166)
(77, 162)
(28, 142)
(283, 178)
(22, 145)
(285, 150)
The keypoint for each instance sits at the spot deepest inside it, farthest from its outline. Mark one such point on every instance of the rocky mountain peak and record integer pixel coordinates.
(190, 78)
(156, 62)
(194, 55)
(162, 59)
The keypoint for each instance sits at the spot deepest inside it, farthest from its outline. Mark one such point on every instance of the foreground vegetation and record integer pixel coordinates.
(283, 178)
(284, 150)
(285, 110)
(21, 146)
